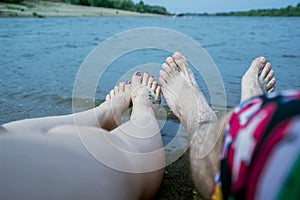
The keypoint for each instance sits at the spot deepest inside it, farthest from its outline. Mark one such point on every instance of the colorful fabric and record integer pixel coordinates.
(260, 156)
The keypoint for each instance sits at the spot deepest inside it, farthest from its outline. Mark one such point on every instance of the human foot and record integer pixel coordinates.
(258, 80)
(145, 95)
(182, 93)
(117, 102)
(267, 78)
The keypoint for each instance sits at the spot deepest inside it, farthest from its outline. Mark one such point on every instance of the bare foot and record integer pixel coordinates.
(267, 78)
(117, 102)
(182, 93)
(145, 95)
(255, 84)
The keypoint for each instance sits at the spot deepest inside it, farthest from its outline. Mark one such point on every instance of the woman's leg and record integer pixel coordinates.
(123, 164)
(135, 148)
(142, 135)
(107, 115)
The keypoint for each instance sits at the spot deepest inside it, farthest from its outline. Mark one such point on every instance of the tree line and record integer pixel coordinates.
(123, 5)
(116, 4)
(289, 11)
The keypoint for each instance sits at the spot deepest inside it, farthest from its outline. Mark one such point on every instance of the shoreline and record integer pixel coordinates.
(48, 9)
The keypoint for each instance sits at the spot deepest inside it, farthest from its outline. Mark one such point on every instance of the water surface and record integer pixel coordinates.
(39, 58)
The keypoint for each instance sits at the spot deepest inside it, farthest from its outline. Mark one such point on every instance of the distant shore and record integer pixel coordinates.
(56, 9)
(289, 11)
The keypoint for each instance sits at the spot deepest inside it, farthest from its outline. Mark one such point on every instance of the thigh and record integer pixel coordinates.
(59, 166)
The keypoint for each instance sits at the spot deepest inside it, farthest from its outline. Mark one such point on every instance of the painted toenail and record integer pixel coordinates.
(128, 82)
(138, 74)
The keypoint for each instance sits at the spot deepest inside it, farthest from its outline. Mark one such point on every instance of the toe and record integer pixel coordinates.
(157, 91)
(168, 69)
(262, 59)
(107, 97)
(128, 82)
(271, 90)
(154, 86)
(150, 82)
(157, 95)
(116, 89)
(269, 76)
(122, 87)
(145, 79)
(162, 81)
(270, 87)
(112, 93)
(265, 71)
(163, 76)
(258, 64)
(136, 80)
(127, 86)
(172, 64)
(178, 55)
(181, 61)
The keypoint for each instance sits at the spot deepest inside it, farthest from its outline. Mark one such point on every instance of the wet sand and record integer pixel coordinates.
(177, 183)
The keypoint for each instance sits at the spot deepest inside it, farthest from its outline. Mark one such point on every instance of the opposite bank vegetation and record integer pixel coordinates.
(289, 11)
(116, 4)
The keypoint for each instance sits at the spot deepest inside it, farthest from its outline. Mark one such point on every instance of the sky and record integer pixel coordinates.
(213, 6)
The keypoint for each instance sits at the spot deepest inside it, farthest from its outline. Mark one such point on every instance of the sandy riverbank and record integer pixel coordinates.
(57, 9)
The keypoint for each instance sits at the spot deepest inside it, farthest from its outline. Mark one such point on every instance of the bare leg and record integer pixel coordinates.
(134, 147)
(258, 80)
(143, 134)
(69, 171)
(189, 105)
(107, 115)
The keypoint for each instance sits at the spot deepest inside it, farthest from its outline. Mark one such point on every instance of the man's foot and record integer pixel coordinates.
(145, 95)
(182, 93)
(117, 102)
(258, 80)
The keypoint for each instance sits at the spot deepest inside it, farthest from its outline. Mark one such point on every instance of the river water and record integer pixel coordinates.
(39, 58)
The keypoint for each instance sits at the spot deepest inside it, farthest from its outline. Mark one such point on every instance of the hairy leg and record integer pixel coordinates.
(206, 132)
(187, 102)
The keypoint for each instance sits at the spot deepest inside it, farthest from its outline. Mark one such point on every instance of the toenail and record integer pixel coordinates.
(262, 59)
(128, 82)
(169, 59)
(176, 56)
(138, 74)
